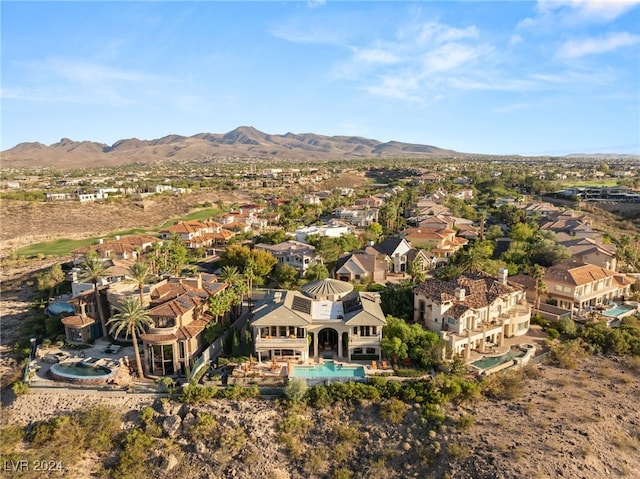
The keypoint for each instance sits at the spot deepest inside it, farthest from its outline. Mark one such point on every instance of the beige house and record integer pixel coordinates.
(581, 286)
(325, 319)
(179, 309)
(472, 311)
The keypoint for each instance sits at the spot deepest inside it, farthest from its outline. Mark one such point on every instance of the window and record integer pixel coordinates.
(274, 330)
(355, 330)
(371, 350)
(357, 351)
(283, 331)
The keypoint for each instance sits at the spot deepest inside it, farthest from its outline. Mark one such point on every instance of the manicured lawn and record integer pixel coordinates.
(64, 247)
(196, 215)
(61, 247)
(607, 182)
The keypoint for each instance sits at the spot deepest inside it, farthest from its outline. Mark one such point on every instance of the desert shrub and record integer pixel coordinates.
(433, 413)
(410, 372)
(393, 410)
(553, 333)
(11, 436)
(194, 394)
(540, 321)
(465, 421)
(133, 458)
(347, 434)
(316, 461)
(567, 326)
(569, 354)
(19, 388)
(633, 363)
(318, 396)
(506, 385)
(458, 451)
(147, 414)
(295, 390)
(622, 340)
(233, 439)
(342, 473)
(100, 425)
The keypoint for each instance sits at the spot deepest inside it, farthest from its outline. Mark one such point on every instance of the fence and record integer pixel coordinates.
(216, 348)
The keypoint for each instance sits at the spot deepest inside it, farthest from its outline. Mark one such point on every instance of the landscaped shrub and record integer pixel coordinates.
(19, 388)
(569, 354)
(393, 410)
(295, 390)
(553, 333)
(567, 326)
(194, 394)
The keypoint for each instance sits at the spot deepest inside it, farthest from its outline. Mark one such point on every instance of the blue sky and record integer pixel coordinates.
(531, 78)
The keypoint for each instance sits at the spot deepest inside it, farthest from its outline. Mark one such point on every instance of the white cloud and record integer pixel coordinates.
(577, 12)
(374, 56)
(588, 10)
(577, 48)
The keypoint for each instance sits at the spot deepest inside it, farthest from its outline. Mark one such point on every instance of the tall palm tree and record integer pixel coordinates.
(537, 274)
(93, 270)
(132, 319)
(250, 275)
(234, 279)
(139, 273)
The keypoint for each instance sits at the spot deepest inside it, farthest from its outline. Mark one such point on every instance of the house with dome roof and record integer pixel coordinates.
(325, 319)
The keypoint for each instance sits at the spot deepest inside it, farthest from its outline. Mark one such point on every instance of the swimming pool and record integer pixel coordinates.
(493, 361)
(618, 311)
(328, 369)
(77, 373)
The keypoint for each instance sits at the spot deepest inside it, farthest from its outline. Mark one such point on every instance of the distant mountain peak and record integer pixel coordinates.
(243, 141)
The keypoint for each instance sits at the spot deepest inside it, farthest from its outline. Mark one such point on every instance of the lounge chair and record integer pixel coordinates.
(374, 365)
(385, 365)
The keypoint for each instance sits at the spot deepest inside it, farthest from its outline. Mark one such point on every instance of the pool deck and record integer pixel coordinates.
(96, 351)
(535, 336)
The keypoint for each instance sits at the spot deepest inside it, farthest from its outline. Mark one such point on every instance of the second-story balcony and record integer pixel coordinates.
(355, 340)
(281, 342)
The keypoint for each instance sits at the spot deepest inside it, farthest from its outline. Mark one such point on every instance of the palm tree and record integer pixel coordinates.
(250, 275)
(471, 261)
(537, 274)
(93, 270)
(236, 282)
(139, 273)
(132, 319)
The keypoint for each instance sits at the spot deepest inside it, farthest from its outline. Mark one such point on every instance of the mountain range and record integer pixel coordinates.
(243, 142)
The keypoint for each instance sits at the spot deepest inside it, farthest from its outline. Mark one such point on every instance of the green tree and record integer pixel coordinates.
(286, 276)
(93, 270)
(132, 319)
(50, 280)
(316, 271)
(236, 282)
(139, 273)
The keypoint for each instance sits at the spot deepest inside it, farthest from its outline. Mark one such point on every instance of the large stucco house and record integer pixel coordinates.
(472, 311)
(579, 286)
(325, 319)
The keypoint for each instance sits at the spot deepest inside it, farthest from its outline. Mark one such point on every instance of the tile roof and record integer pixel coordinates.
(577, 274)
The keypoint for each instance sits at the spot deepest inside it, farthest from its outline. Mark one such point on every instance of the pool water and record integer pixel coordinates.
(617, 311)
(493, 361)
(74, 370)
(328, 369)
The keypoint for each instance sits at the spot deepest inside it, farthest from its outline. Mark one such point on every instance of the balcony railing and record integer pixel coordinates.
(281, 342)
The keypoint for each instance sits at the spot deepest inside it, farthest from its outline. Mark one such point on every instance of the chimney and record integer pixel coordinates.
(502, 275)
(460, 294)
(199, 281)
(83, 308)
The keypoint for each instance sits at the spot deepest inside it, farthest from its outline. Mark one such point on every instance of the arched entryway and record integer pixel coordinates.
(327, 341)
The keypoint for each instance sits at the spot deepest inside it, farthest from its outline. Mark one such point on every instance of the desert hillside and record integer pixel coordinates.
(575, 424)
(243, 142)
